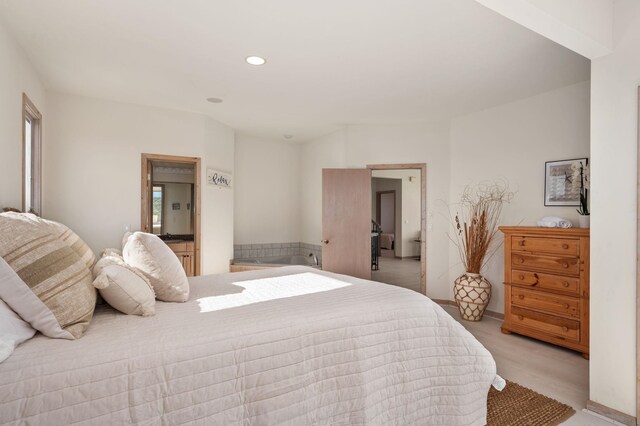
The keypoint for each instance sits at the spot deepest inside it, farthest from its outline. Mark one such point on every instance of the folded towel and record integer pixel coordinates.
(499, 383)
(554, 222)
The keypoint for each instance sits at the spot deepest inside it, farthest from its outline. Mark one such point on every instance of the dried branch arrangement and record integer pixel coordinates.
(476, 223)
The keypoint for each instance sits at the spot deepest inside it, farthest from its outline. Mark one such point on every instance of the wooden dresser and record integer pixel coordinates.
(546, 278)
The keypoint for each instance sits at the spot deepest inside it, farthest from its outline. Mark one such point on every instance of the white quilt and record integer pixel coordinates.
(255, 349)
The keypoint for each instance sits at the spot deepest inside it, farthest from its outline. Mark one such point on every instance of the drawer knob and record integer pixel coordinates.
(522, 243)
(565, 265)
(521, 296)
(566, 306)
(521, 260)
(565, 328)
(521, 277)
(565, 284)
(520, 317)
(565, 246)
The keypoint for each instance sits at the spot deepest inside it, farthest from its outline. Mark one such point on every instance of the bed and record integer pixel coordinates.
(289, 345)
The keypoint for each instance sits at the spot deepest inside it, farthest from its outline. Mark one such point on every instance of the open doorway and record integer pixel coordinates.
(385, 217)
(399, 225)
(170, 206)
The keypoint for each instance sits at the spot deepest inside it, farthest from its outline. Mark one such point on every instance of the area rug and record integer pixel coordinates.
(519, 406)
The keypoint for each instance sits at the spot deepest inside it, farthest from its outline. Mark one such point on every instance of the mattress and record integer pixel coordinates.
(285, 346)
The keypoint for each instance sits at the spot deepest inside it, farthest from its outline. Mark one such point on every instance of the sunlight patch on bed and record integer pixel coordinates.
(265, 289)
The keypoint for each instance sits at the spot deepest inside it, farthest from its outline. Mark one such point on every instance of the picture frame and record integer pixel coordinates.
(219, 179)
(559, 189)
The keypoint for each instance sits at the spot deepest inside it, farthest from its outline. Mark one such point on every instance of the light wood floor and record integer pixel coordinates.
(552, 371)
(401, 272)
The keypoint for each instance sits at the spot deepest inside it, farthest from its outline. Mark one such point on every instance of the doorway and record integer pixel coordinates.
(399, 214)
(385, 217)
(170, 205)
(350, 235)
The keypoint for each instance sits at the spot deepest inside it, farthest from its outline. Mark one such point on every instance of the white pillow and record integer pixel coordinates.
(13, 331)
(123, 287)
(125, 238)
(159, 263)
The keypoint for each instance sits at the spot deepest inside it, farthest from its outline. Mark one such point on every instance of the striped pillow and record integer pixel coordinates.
(72, 240)
(48, 268)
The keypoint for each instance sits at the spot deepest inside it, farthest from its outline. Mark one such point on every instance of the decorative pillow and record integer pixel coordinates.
(158, 262)
(123, 287)
(13, 331)
(45, 282)
(73, 241)
(125, 238)
(112, 252)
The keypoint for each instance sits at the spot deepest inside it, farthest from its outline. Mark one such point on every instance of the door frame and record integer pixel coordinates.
(379, 211)
(638, 279)
(379, 208)
(145, 180)
(423, 212)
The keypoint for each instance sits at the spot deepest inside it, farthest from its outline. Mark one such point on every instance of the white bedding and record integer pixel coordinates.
(247, 350)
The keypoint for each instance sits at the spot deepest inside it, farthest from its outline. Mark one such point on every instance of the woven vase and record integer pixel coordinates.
(472, 293)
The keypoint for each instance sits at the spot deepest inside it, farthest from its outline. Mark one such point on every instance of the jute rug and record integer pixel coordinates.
(519, 406)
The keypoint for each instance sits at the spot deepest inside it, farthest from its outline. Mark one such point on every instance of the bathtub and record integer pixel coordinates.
(238, 265)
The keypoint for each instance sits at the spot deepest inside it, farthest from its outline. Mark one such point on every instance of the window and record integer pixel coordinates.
(157, 208)
(32, 156)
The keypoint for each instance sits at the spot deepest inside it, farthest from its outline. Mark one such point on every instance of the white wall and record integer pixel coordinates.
(511, 143)
(328, 151)
(614, 142)
(584, 26)
(267, 185)
(92, 169)
(16, 76)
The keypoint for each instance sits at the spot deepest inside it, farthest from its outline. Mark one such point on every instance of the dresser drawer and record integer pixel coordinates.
(568, 285)
(550, 324)
(181, 247)
(178, 247)
(548, 302)
(563, 265)
(562, 246)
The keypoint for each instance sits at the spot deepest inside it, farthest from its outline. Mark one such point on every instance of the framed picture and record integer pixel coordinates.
(218, 178)
(559, 186)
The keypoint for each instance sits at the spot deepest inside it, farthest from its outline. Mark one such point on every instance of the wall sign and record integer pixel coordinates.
(218, 178)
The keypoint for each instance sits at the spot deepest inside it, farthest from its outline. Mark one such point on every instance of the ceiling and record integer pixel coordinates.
(329, 63)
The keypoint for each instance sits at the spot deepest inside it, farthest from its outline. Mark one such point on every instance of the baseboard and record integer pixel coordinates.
(610, 413)
(490, 314)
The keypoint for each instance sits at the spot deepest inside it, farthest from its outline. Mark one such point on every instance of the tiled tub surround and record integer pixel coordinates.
(257, 251)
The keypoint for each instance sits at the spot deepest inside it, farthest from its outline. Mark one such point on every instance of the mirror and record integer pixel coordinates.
(172, 199)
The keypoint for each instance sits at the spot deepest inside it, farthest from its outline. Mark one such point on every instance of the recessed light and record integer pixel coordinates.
(255, 60)
(214, 100)
(287, 136)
